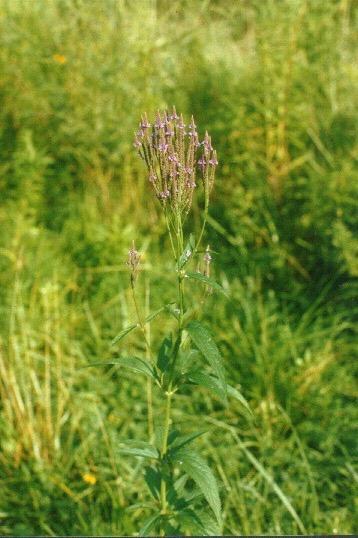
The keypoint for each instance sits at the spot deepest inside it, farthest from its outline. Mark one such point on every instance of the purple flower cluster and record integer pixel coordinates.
(173, 154)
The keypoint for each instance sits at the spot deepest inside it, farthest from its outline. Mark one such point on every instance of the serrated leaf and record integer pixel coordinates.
(149, 524)
(211, 527)
(135, 364)
(206, 345)
(205, 280)
(138, 448)
(187, 253)
(231, 391)
(209, 382)
(192, 464)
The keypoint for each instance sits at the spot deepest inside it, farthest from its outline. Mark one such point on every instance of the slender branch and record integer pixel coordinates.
(149, 380)
(139, 317)
(206, 208)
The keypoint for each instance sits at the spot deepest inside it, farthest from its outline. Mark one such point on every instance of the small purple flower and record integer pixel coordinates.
(137, 144)
(163, 147)
(188, 171)
(152, 177)
(207, 146)
(144, 124)
(160, 124)
(168, 132)
(207, 143)
(173, 116)
(213, 162)
(164, 195)
(207, 257)
(173, 158)
(190, 184)
(192, 124)
(202, 163)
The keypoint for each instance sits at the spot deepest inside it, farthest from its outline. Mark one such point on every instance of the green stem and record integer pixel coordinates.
(203, 226)
(163, 486)
(146, 335)
(149, 380)
(169, 392)
(139, 317)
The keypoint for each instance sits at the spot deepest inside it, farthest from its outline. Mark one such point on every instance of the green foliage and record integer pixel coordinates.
(200, 472)
(274, 84)
(206, 345)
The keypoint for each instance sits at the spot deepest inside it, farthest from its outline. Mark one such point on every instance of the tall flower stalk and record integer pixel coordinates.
(182, 486)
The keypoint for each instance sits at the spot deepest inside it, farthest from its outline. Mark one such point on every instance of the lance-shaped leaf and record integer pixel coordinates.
(192, 464)
(152, 479)
(209, 382)
(206, 345)
(130, 328)
(205, 280)
(177, 442)
(149, 524)
(132, 363)
(138, 448)
(231, 391)
(163, 360)
(123, 333)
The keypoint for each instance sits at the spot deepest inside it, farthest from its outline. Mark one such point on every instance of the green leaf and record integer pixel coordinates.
(152, 479)
(149, 524)
(206, 345)
(138, 448)
(185, 359)
(123, 333)
(200, 472)
(205, 280)
(209, 382)
(191, 521)
(187, 253)
(130, 328)
(180, 441)
(132, 363)
(163, 359)
(176, 490)
(238, 396)
(211, 528)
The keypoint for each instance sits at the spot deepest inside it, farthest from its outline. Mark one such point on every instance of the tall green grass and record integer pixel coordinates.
(275, 84)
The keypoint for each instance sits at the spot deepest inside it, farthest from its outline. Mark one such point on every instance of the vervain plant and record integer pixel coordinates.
(177, 476)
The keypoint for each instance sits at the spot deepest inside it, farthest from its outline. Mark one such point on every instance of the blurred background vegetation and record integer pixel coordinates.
(275, 84)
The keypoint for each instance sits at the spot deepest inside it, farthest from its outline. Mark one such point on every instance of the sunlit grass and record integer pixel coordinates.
(274, 84)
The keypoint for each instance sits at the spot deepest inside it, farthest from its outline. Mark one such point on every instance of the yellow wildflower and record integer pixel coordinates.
(89, 478)
(60, 58)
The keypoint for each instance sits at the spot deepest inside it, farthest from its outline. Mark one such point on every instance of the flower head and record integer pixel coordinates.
(133, 261)
(89, 478)
(174, 157)
(59, 59)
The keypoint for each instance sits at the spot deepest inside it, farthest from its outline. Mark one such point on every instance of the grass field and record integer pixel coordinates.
(275, 84)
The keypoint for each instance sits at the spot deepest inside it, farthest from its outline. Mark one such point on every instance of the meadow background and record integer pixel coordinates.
(275, 84)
